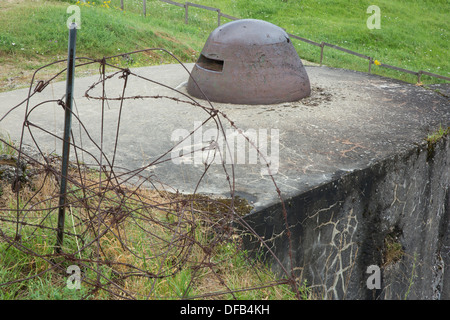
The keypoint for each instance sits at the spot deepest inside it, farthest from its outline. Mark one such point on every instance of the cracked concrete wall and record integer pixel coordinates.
(394, 214)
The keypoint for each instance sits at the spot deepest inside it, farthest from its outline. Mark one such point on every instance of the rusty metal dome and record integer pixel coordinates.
(249, 62)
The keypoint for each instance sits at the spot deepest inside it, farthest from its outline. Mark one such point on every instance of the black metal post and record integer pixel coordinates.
(67, 129)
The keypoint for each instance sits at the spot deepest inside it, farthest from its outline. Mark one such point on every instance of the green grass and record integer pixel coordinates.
(414, 34)
(434, 138)
(103, 32)
(438, 135)
(6, 145)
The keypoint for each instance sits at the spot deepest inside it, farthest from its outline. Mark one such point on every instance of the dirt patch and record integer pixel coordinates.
(8, 4)
(17, 73)
(317, 97)
(12, 78)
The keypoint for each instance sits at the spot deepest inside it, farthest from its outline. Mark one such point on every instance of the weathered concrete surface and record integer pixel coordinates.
(341, 228)
(441, 88)
(352, 169)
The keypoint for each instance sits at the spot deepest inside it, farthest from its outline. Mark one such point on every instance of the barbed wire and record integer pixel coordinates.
(124, 224)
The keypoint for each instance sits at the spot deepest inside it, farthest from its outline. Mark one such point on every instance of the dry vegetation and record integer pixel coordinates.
(129, 241)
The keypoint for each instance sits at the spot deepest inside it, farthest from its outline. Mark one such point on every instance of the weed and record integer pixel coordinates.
(7, 146)
(393, 250)
(439, 134)
(432, 139)
(413, 276)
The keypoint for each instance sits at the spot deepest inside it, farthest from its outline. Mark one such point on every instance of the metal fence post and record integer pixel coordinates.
(121, 4)
(145, 8)
(67, 129)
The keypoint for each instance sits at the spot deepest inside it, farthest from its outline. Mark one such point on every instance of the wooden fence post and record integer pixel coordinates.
(186, 13)
(321, 52)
